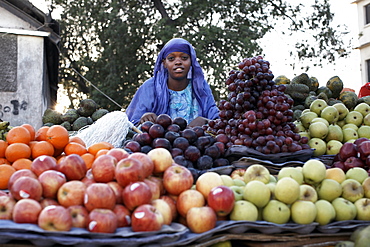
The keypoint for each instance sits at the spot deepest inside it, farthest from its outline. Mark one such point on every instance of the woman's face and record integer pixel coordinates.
(178, 65)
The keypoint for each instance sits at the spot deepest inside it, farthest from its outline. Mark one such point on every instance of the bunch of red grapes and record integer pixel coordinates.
(257, 112)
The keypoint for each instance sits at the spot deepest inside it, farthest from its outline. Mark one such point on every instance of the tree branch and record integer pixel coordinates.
(159, 5)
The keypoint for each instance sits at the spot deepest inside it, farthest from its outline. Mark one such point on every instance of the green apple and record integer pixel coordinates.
(342, 110)
(320, 119)
(330, 113)
(329, 189)
(287, 190)
(238, 192)
(318, 130)
(238, 182)
(335, 132)
(363, 209)
(314, 171)
(354, 117)
(307, 117)
(271, 187)
(362, 108)
(364, 131)
(292, 172)
(352, 190)
(336, 173)
(273, 179)
(333, 147)
(276, 212)
(257, 172)
(344, 209)
(325, 212)
(244, 210)
(350, 125)
(357, 173)
(361, 236)
(319, 146)
(349, 134)
(257, 193)
(307, 193)
(317, 106)
(303, 212)
(228, 181)
(366, 186)
(366, 120)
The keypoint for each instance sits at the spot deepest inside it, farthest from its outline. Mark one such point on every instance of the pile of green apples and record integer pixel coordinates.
(329, 126)
(303, 195)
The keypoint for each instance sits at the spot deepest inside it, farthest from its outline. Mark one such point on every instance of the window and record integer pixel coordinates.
(8, 63)
(368, 70)
(367, 14)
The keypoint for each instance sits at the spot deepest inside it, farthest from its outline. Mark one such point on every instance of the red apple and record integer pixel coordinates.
(159, 182)
(347, 150)
(129, 170)
(117, 189)
(55, 218)
(73, 166)
(221, 199)
(6, 207)
(238, 174)
(189, 199)
(146, 160)
(364, 149)
(177, 179)
(201, 219)
(20, 173)
(80, 216)
(172, 203)
(353, 162)
(136, 194)
(99, 195)
(118, 153)
(103, 168)
(164, 208)
(102, 220)
(360, 140)
(26, 211)
(339, 164)
(26, 187)
(123, 215)
(51, 180)
(154, 187)
(3, 193)
(89, 178)
(146, 218)
(162, 159)
(48, 202)
(71, 193)
(43, 163)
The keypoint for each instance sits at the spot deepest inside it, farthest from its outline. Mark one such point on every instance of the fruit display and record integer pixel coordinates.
(4, 129)
(74, 119)
(328, 127)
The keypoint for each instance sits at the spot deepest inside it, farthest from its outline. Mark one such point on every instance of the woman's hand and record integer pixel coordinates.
(149, 116)
(199, 121)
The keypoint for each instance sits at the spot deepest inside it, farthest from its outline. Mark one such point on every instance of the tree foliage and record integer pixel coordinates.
(113, 44)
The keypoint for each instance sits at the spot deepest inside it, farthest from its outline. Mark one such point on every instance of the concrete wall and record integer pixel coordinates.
(22, 91)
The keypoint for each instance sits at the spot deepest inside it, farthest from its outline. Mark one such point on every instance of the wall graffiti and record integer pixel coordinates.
(14, 107)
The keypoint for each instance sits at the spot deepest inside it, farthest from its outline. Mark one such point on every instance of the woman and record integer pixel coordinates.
(178, 88)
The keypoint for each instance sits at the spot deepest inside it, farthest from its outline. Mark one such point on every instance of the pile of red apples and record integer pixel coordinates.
(138, 190)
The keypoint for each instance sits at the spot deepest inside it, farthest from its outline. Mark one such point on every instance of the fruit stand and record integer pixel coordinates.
(266, 173)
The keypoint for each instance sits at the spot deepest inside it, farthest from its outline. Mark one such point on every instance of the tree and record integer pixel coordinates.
(113, 44)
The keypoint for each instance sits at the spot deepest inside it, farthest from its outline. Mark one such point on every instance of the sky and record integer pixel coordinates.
(276, 48)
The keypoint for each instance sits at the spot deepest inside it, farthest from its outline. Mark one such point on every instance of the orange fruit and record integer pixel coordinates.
(31, 129)
(77, 139)
(58, 136)
(6, 171)
(101, 152)
(22, 163)
(4, 161)
(18, 134)
(40, 134)
(94, 148)
(3, 146)
(75, 148)
(41, 148)
(89, 159)
(17, 151)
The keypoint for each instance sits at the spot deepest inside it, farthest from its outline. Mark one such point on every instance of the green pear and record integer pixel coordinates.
(320, 119)
(318, 105)
(333, 147)
(366, 120)
(305, 111)
(354, 117)
(362, 108)
(342, 110)
(318, 130)
(244, 210)
(307, 117)
(299, 126)
(349, 134)
(303, 212)
(305, 133)
(364, 131)
(319, 146)
(335, 132)
(325, 212)
(350, 125)
(276, 212)
(341, 123)
(330, 113)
